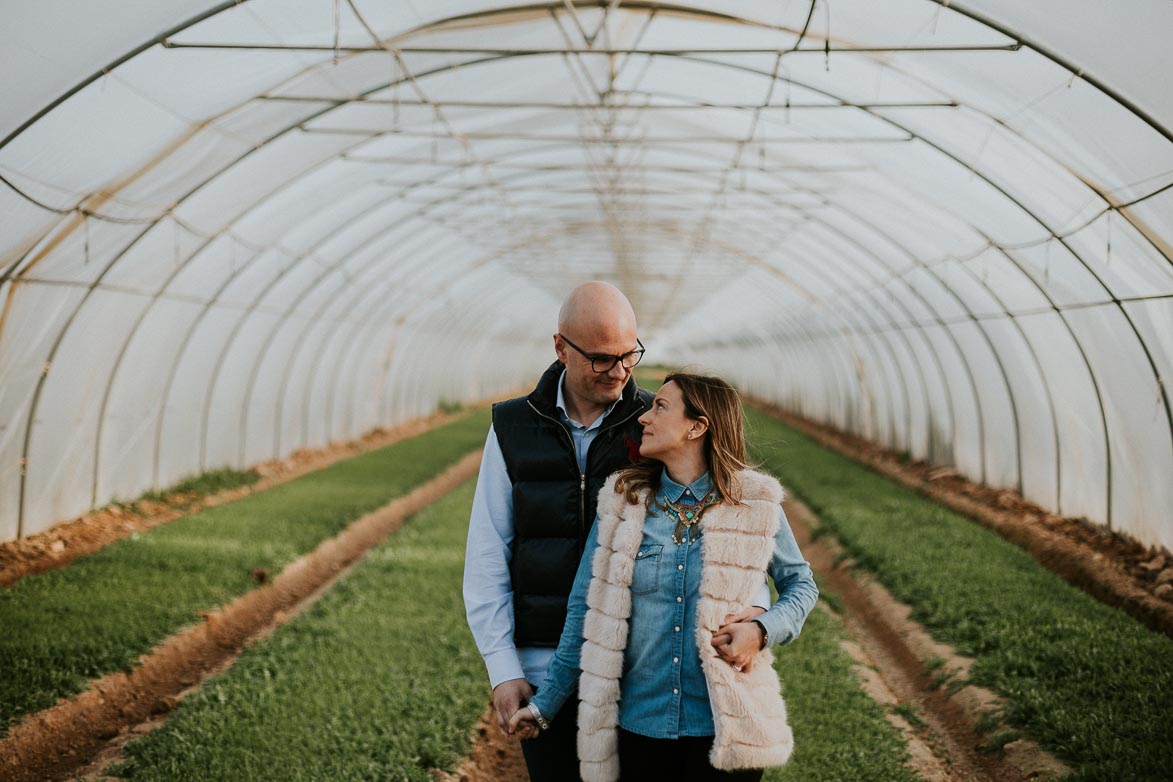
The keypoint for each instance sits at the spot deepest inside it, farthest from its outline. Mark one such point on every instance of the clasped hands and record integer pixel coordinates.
(737, 642)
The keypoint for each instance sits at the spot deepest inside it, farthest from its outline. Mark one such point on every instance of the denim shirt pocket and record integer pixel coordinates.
(645, 577)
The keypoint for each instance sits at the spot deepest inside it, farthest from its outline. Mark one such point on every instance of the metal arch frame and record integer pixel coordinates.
(363, 348)
(249, 311)
(445, 334)
(1074, 254)
(412, 217)
(795, 328)
(910, 356)
(835, 230)
(97, 282)
(499, 252)
(208, 305)
(302, 344)
(1062, 63)
(874, 291)
(845, 318)
(1013, 321)
(916, 294)
(229, 279)
(849, 319)
(1042, 223)
(381, 234)
(994, 353)
(295, 257)
(1010, 395)
(415, 274)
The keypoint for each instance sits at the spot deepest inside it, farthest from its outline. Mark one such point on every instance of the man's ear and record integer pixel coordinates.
(560, 348)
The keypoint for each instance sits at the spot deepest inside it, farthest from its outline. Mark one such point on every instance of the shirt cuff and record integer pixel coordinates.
(503, 666)
(776, 626)
(549, 701)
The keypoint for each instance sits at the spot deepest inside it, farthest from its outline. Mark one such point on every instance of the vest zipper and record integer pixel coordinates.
(582, 502)
(582, 522)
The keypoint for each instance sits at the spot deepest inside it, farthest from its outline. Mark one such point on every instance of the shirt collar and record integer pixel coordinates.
(560, 403)
(674, 492)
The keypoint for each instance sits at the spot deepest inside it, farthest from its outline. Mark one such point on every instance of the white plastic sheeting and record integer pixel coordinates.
(231, 230)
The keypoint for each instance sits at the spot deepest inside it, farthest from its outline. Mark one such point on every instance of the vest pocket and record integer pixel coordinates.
(645, 577)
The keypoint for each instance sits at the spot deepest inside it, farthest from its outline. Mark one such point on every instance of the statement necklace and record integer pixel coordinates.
(686, 516)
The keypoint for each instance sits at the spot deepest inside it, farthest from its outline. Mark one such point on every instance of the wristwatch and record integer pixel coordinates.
(543, 723)
(765, 635)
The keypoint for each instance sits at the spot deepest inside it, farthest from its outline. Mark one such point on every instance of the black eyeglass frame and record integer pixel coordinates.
(638, 353)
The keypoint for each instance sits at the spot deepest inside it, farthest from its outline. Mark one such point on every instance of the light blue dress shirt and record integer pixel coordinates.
(663, 693)
(488, 590)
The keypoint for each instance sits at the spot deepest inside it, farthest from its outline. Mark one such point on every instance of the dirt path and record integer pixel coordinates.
(65, 542)
(56, 742)
(494, 757)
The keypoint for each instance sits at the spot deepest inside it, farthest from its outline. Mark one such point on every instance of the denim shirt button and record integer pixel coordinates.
(678, 628)
(675, 659)
(675, 691)
(680, 567)
(678, 598)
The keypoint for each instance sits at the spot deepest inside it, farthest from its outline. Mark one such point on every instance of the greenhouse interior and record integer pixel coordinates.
(266, 266)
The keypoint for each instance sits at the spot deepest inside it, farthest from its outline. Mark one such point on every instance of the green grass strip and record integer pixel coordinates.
(840, 733)
(380, 679)
(1085, 679)
(64, 627)
(203, 484)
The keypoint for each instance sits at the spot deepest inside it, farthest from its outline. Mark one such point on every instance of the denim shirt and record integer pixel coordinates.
(663, 692)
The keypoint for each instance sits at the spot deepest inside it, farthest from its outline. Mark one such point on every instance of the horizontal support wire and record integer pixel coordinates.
(510, 51)
(497, 136)
(481, 104)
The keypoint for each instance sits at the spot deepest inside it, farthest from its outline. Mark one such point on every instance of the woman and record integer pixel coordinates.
(671, 685)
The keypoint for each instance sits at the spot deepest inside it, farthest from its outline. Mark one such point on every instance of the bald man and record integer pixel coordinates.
(546, 457)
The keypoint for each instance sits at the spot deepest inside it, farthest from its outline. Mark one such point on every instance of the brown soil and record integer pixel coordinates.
(495, 757)
(1111, 567)
(54, 743)
(921, 758)
(65, 542)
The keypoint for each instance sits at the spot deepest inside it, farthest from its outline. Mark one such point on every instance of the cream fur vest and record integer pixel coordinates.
(748, 711)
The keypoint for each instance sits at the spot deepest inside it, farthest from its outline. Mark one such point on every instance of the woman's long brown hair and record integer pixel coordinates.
(718, 403)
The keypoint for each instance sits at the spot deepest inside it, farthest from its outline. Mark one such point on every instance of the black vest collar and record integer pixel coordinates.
(544, 397)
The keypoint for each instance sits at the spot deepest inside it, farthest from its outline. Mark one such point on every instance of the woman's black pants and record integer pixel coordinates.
(685, 759)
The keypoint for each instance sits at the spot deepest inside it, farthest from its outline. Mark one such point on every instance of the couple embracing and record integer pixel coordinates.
(616, 569)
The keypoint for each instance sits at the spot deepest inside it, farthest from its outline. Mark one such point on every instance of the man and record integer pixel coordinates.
(546, 457)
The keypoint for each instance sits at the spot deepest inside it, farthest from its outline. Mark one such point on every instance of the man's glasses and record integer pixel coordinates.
(603, 363)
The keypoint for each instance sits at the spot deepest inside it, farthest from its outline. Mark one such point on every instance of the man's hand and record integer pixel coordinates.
(739, 639)
(507, 698)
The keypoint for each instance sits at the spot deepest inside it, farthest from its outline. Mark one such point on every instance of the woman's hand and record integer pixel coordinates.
(739, 640)
(523, 724)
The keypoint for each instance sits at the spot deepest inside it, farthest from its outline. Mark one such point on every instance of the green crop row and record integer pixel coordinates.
(64, 627)
(1085, 679)
(379, 679)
